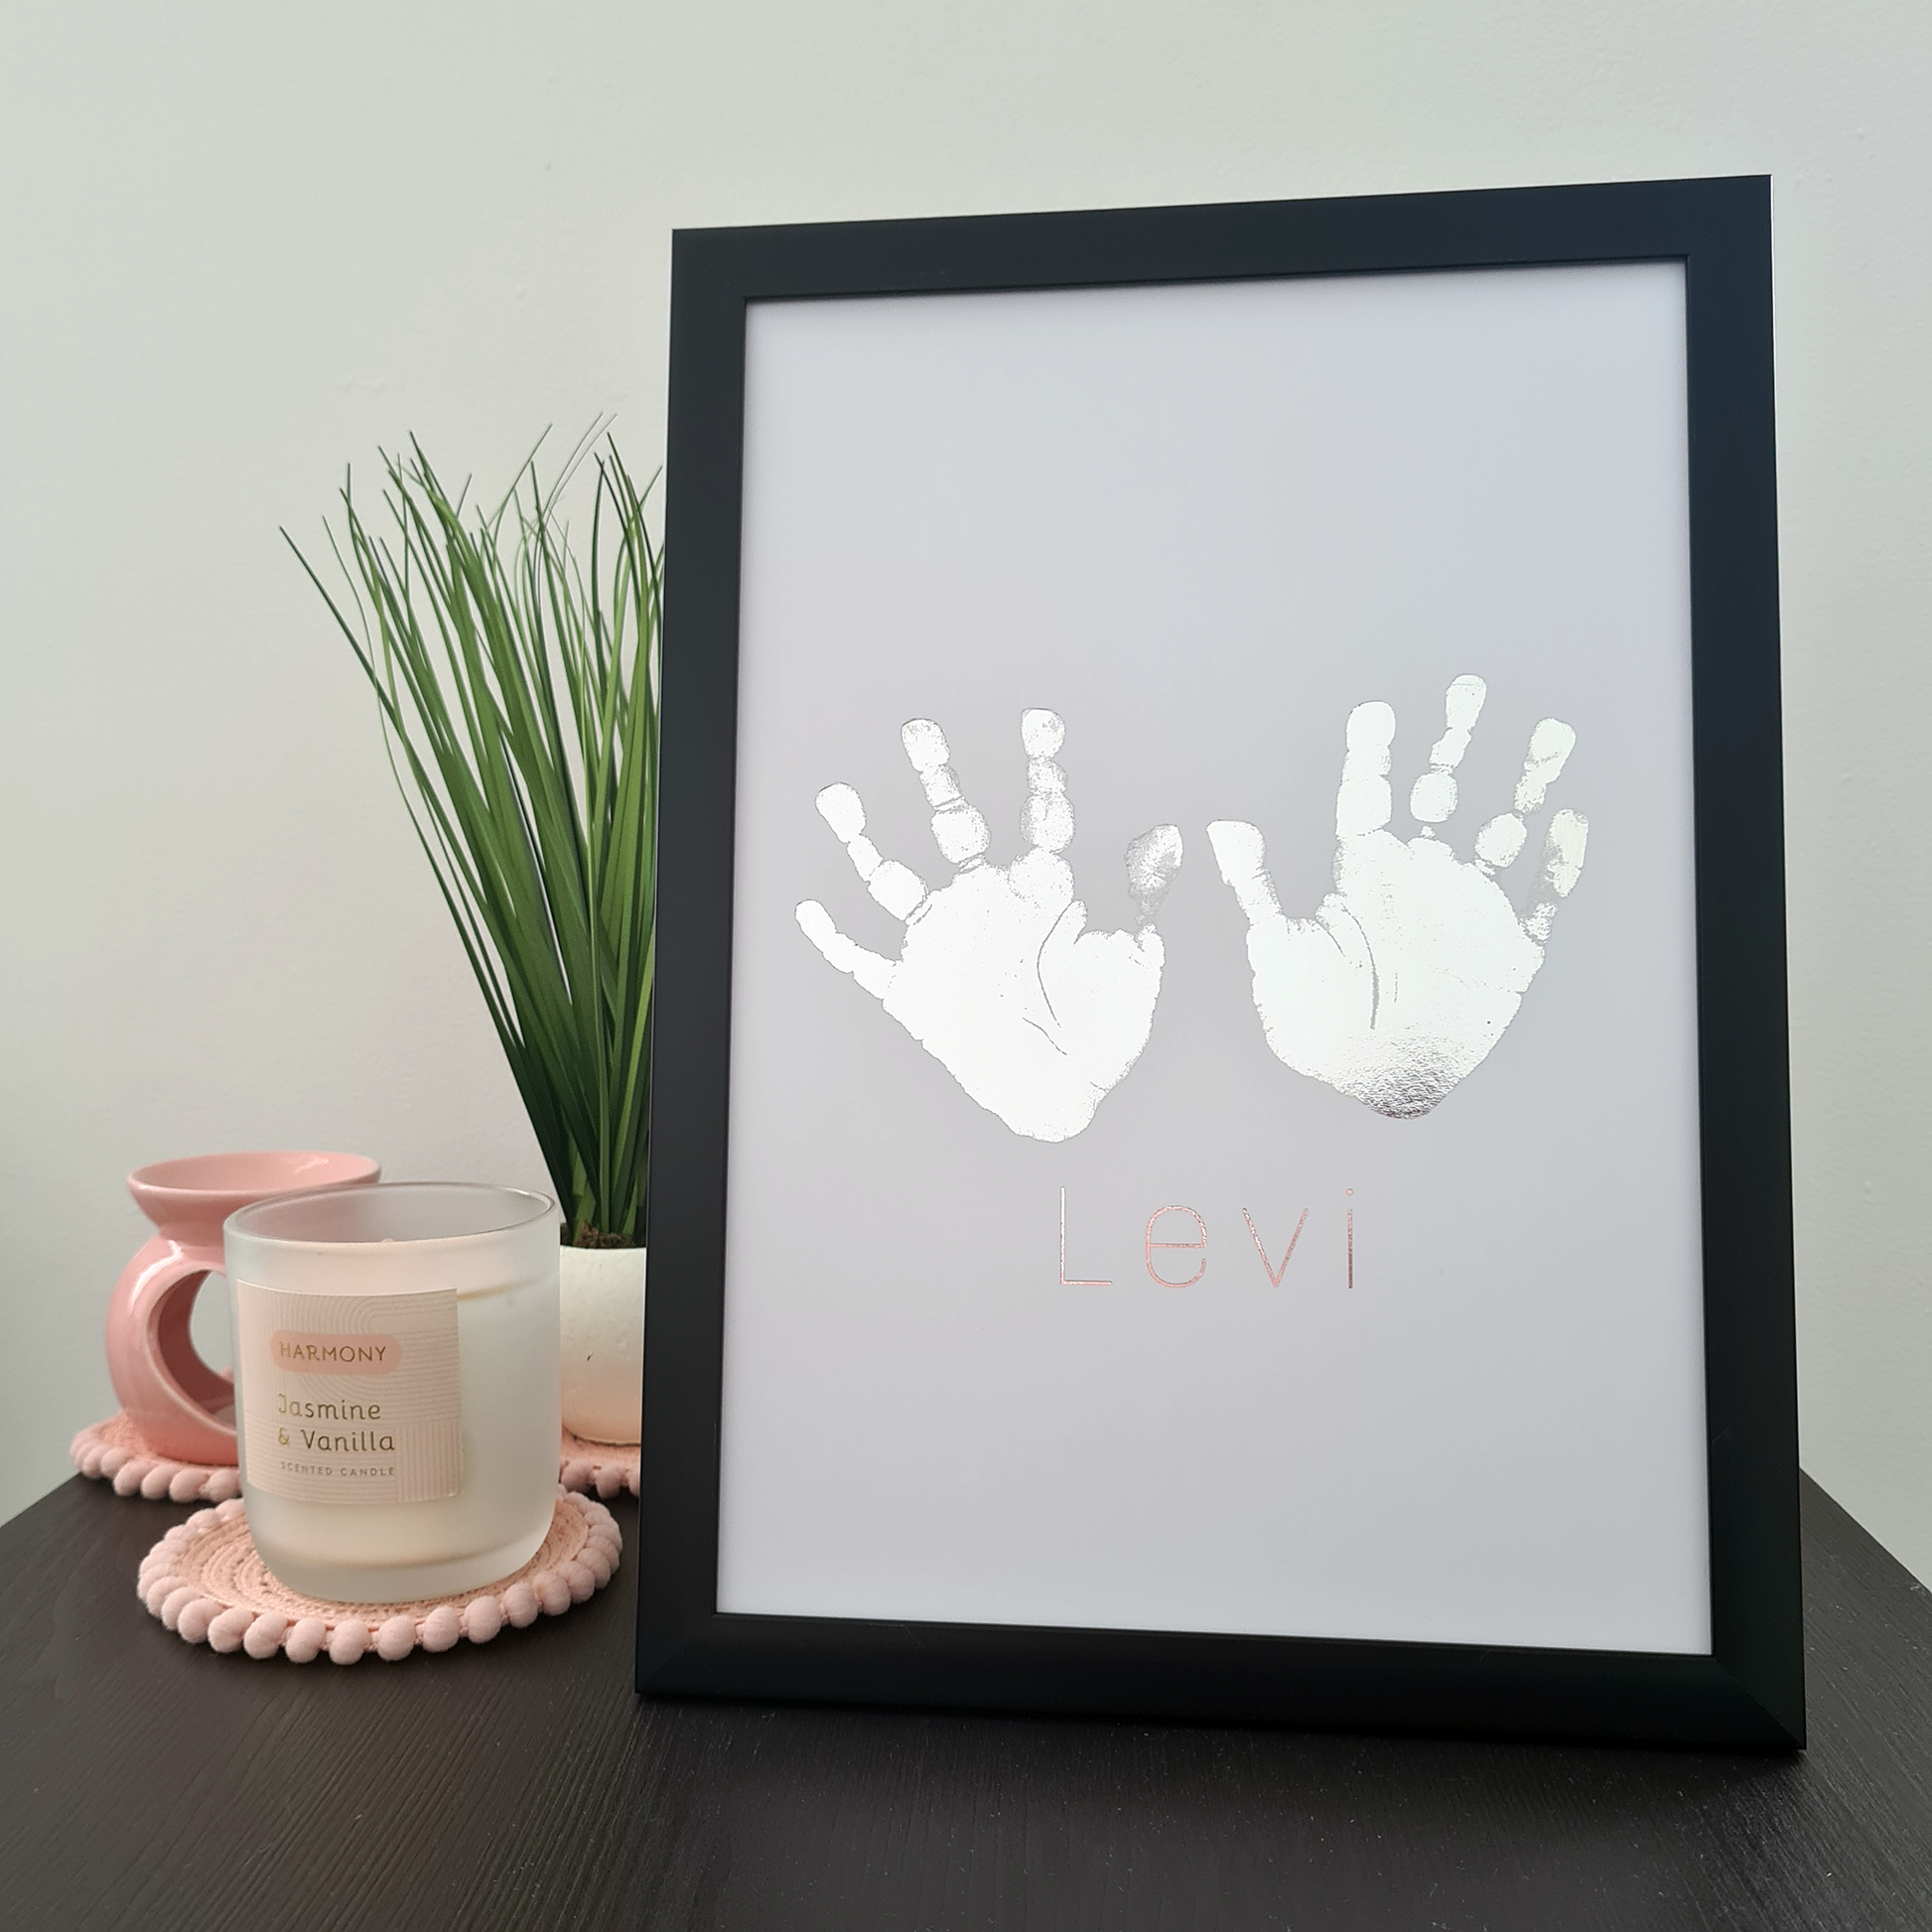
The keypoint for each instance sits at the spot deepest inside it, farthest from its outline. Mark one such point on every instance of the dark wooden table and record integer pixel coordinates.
(153, 1784)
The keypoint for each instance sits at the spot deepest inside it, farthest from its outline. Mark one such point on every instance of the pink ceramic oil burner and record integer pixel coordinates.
(183, 1407)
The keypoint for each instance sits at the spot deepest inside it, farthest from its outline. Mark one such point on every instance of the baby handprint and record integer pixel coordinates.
(997, 977)
(1413, 965)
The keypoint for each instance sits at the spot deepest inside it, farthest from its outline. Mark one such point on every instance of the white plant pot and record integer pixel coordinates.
(600, 1325)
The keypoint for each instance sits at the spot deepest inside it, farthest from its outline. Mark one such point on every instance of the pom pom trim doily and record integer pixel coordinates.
(116, 1451)
(205, 1581)
(605, 1468)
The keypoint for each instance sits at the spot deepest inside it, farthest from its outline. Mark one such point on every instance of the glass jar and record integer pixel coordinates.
(396, 1385)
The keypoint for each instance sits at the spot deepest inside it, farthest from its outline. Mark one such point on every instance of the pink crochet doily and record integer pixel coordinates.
(205, 1583)
(605, 1468)
(116, 1451)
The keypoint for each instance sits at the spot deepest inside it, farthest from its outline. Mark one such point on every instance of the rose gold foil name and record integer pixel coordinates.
(1153, 1244)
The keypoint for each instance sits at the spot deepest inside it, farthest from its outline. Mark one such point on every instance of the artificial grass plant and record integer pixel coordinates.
(519, 700)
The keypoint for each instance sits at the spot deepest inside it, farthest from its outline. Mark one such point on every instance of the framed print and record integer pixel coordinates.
(1221, 1127)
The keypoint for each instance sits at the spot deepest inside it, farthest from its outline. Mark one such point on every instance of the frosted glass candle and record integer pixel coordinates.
(396, 1385)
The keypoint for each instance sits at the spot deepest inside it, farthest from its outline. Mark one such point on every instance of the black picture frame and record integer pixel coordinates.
(1749, 1691)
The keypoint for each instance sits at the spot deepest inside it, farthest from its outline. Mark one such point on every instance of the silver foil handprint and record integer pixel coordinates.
(998, 979)
(1411, 969)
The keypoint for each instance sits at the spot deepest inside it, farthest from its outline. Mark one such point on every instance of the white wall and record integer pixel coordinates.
(243, 245)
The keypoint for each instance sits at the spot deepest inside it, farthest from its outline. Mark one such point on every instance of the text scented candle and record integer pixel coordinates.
(396, 1385)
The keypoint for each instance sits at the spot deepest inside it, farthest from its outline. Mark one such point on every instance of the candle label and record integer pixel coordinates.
(349, 1398)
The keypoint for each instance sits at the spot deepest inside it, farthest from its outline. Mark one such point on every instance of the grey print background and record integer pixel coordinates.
(1202, 525)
